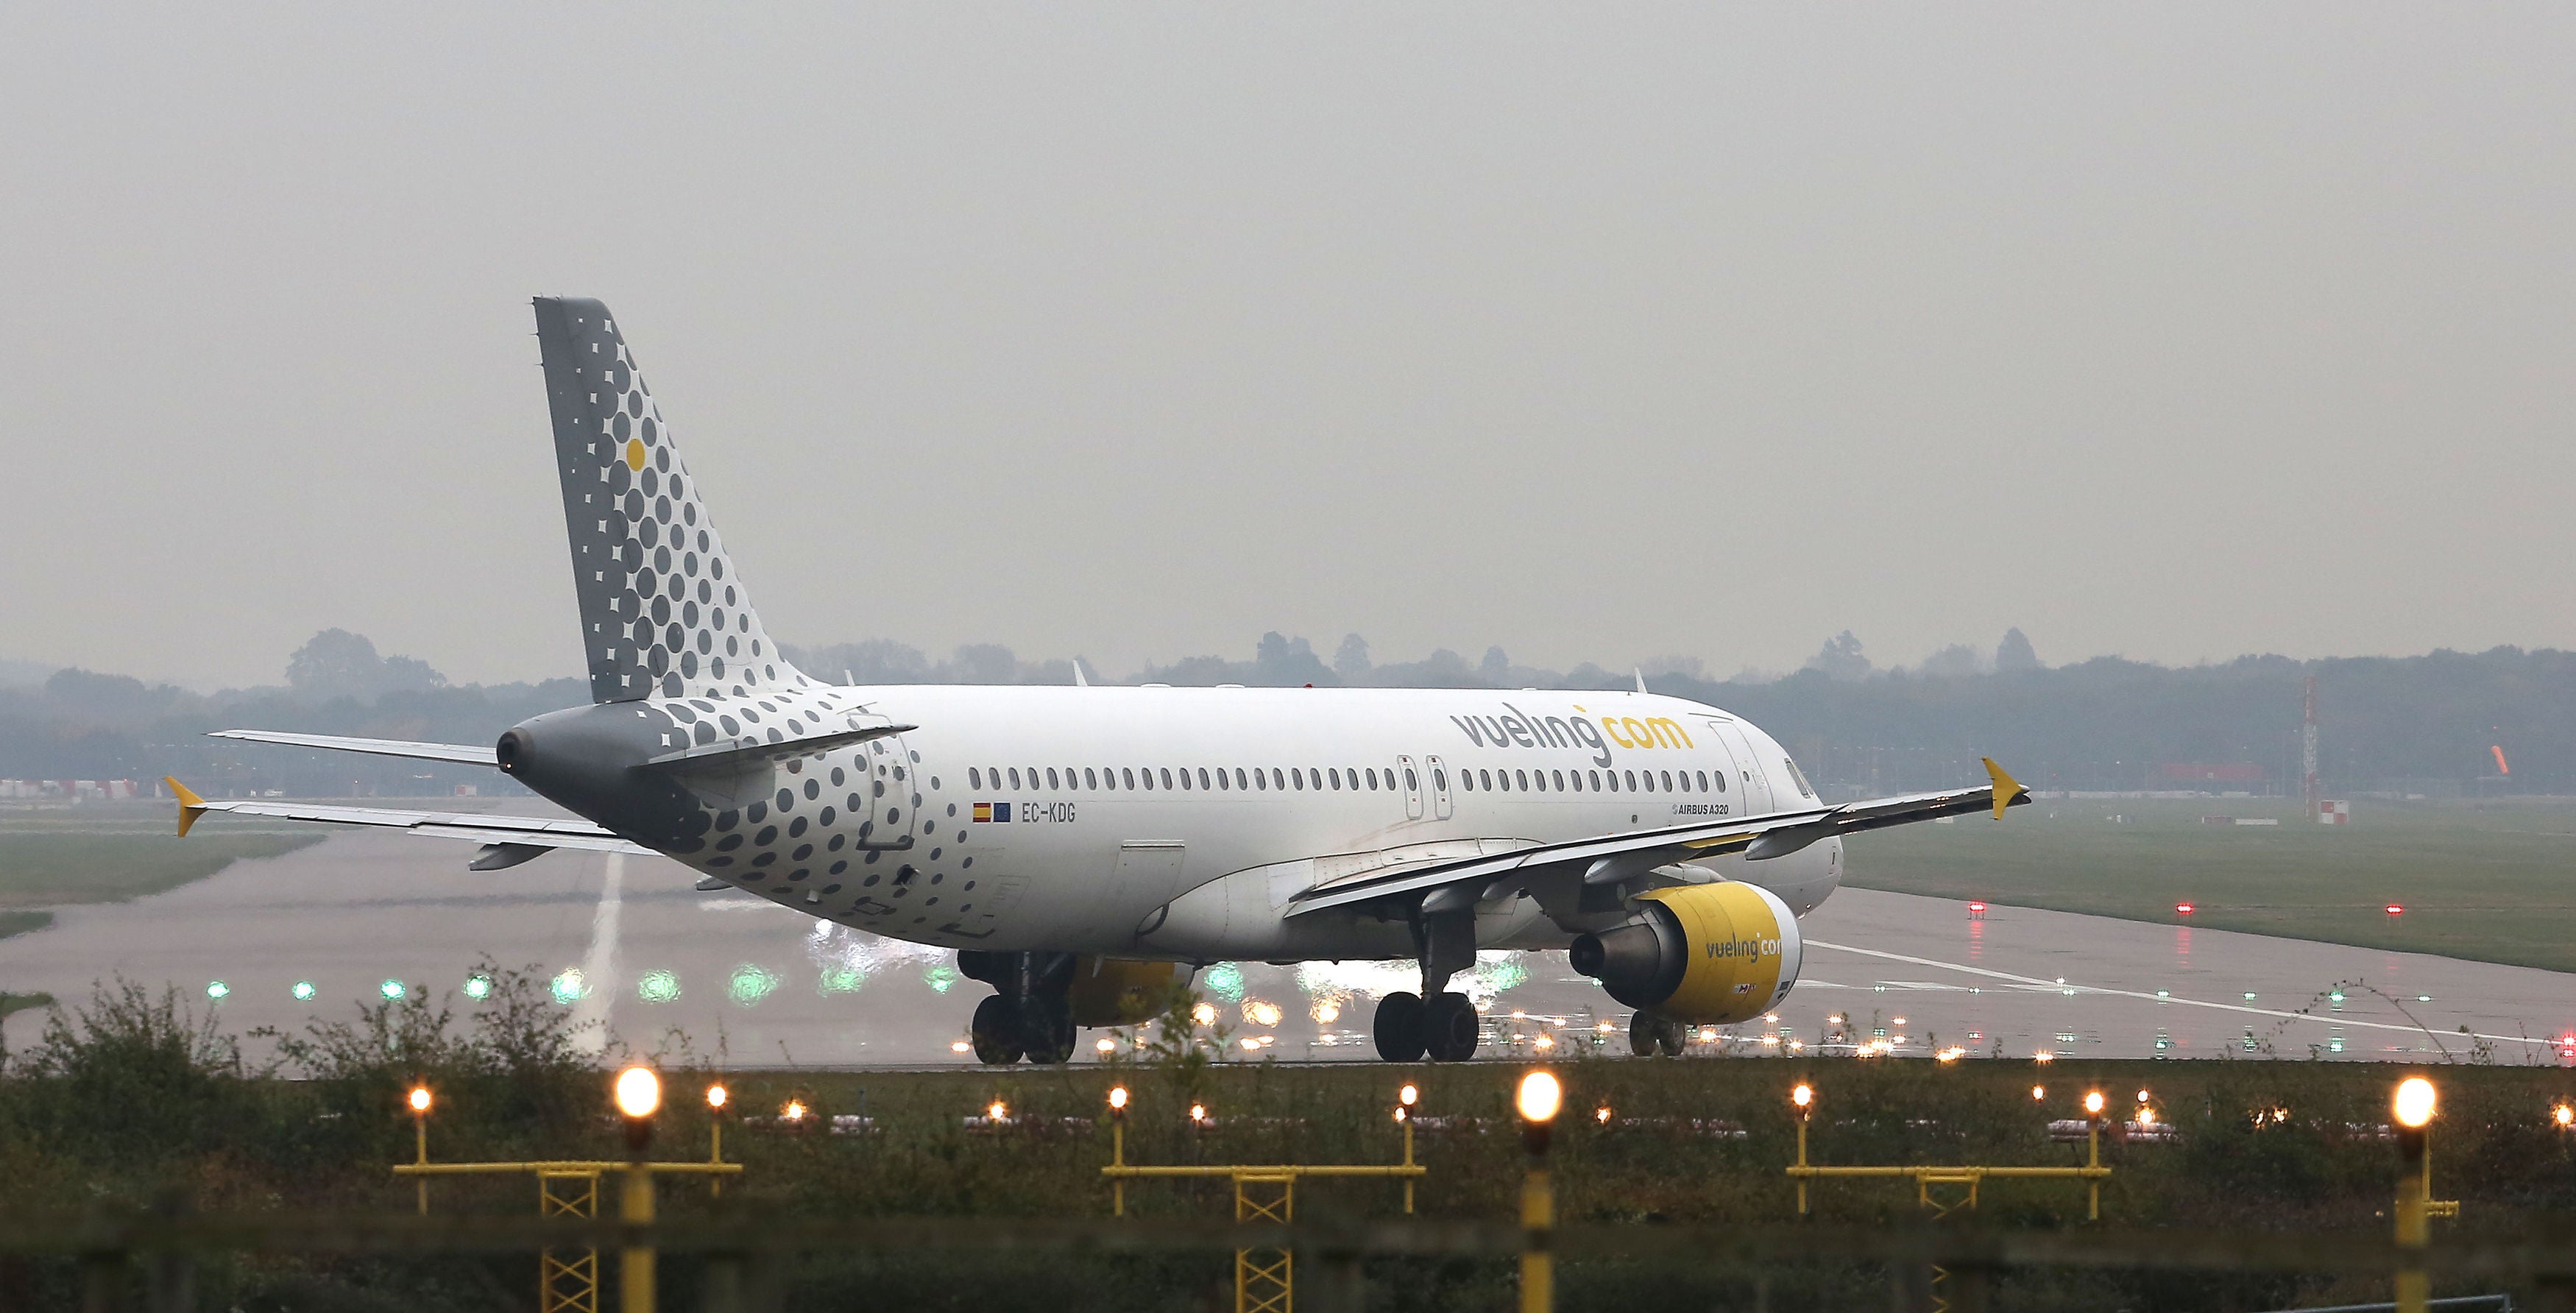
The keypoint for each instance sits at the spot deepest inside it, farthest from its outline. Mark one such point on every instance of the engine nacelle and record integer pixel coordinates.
(1701, 954)
(1113, 991)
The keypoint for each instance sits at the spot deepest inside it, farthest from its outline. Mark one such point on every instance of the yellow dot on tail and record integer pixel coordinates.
(635, 454)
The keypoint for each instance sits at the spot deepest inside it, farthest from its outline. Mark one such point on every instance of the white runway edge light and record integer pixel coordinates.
(639, 1093)
(2415, 1099)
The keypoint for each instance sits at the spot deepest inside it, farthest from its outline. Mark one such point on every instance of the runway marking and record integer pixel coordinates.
(2050, 986)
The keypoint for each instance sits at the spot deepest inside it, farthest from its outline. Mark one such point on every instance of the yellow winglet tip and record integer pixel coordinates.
(190, 805)
(2007, 789)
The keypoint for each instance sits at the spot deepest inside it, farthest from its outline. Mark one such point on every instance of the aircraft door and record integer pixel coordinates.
(1412, 789)
(890, 794)
(1755, 784)
(1440, 806)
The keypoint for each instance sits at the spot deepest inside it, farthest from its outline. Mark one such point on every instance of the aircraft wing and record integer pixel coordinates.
(1463, 881)
(458, 752)
(507, 840)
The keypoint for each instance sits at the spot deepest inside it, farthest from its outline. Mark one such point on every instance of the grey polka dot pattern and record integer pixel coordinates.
(663, 612)
(844, 835)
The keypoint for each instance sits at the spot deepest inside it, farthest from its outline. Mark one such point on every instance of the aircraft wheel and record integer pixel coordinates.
(1046, 1028)
(1645, 1033)
(995, 1032)
(1449, 1028)
(1399, 1027)
(1676, 1037)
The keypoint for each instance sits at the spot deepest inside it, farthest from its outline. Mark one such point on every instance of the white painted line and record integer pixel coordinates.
(2051, 986)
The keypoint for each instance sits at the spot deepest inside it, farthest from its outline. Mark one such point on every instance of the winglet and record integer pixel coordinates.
(1078, 680)
(190, 805)
(1641, 679)
(2007, 789)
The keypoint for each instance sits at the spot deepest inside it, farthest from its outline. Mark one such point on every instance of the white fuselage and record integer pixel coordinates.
(1178, 822)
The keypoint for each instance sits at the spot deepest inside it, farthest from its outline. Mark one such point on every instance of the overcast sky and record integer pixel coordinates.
(1133, 331)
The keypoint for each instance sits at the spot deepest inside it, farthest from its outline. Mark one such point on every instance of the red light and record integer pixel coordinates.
(2395, 910)
(2183, 908)
(1978, 908)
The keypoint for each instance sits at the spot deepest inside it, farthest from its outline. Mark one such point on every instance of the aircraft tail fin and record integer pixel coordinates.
(662, 610)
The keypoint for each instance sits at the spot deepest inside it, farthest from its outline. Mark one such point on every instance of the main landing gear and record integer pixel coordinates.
(1028, 1015)
(1445, 1028)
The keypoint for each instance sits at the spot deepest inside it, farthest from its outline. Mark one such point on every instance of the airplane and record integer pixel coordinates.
(1085, 849)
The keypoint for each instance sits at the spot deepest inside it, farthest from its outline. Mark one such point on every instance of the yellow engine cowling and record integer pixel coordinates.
(1116, 991)
(1702, 954)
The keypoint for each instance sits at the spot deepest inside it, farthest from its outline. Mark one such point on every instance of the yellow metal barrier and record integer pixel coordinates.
(1930, 1180)
(1264, 1278)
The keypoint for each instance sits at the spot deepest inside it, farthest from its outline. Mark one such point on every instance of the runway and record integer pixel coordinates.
(642, 963)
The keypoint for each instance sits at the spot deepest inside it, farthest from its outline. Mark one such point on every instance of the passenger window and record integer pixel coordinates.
(1668, 781)
(1521, 778)
(1239, 780)
(974, 778)
(1333, 776)
(1314, 778)
(1297, 780)
(1203, 779)
(1278, 778)
(1051, 777)
(1090, 778)
(1167, 776)
(1221, 781)
(1560, 778)
(1632, 779)
(1372, 779)
(1439, 778)
(1015, 777)
(1411, 781)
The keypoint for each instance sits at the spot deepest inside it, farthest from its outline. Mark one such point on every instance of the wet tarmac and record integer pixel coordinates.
(641, 960)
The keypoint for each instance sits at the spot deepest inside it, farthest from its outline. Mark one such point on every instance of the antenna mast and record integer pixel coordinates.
(2308, 743)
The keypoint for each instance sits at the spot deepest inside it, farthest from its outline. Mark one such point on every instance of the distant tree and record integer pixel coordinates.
(1955, 661)
(90, 695)
(1446, 669)
(2015, 653)
(1840, 658)
(1351, 659)
(1286, 662)
(985, 663)
(338, 664)
(1495, 665)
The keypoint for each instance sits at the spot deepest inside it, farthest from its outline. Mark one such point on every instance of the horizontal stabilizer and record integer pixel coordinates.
(709, 757)
(456, 752)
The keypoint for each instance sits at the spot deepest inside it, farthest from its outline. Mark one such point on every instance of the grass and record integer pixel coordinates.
(108, 854)
(2493, 881)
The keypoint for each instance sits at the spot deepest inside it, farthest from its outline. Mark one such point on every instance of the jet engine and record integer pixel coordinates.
(1701, 954)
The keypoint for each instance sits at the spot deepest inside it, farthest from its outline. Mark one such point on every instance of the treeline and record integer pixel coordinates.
(2430, 724)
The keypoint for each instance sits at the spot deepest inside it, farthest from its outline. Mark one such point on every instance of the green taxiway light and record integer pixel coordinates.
(303, 991)
(392, 989)
(216, 989)
(478, 987)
